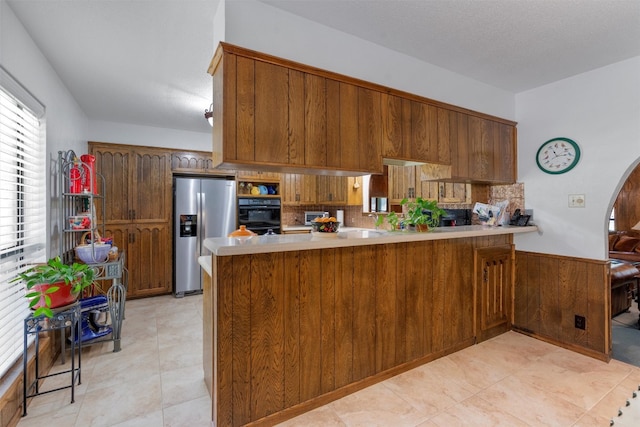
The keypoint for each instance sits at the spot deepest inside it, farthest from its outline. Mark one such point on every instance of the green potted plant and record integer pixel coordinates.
(422, 213)
(55, 284)
(392, 219)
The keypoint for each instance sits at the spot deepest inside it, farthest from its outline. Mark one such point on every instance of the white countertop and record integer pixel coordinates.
(226, 246)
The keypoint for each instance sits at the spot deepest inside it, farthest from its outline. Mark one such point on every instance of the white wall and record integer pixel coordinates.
(122, 133)
(600, 110)
(66, 124)
(257, 26)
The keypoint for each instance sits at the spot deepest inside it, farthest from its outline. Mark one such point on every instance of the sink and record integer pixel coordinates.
(363, 233)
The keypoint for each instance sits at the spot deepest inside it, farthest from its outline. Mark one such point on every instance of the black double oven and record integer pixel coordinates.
(260, 214)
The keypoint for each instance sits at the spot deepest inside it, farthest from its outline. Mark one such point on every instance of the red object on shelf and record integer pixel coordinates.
(75, 180)
(89, 179)
(64, 295)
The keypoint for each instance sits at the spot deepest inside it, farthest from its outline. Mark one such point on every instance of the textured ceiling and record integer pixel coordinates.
(144, 62)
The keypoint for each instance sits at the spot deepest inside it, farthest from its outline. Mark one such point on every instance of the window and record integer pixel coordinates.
(22, 207)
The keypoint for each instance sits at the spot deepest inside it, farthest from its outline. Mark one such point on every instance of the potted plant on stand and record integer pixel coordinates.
(423, 214)
(55, 284)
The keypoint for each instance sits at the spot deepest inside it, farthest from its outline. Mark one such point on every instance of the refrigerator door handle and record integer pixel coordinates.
(203, 223)
(200, 204)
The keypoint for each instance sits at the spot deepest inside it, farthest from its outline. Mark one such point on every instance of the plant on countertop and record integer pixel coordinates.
(392, 219)
(422, 212)
(77, 276)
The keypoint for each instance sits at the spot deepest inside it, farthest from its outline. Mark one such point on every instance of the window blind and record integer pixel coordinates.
(22, 209)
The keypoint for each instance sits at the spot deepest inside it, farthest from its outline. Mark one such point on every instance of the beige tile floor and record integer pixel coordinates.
(511, 380)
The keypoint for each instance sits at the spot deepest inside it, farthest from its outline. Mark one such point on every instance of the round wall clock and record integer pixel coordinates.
(558, 155)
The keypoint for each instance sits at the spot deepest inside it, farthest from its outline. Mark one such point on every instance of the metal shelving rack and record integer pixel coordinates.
(62, 320)
(71, 204)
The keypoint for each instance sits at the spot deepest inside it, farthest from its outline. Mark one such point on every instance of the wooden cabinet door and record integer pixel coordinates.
(315, 120)
(505, 154)
(424, 132)
(454, 192)
(331, 190)
(150, 181)
(486, 152)
(195, 162)
(402, 183)
(271, 113)
(149, 259)
(494, 290)
(298, 189)
(393, 146)
(369, 130)
(114, 165)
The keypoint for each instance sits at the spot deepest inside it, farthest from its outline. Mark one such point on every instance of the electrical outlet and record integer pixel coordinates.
(576, 200)
(581, 322)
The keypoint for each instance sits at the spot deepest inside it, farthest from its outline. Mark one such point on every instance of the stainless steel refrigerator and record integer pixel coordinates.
(202, 208)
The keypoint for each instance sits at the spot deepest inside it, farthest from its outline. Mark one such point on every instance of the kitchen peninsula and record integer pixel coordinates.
(292, 322)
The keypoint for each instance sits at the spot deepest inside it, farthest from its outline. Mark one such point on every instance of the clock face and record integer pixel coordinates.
(558, 155)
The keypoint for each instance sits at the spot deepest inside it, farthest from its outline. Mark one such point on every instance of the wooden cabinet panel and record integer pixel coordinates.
(139, 212)
(494, 287)
(402, 183)
(331, 190)
(315, 120)
(274, 113)
(405, 182)
(296, 118)
(148, 251)
(258, 176)
(393, 146)
(484, 150)
(298, 189)
(349, 151)
(114, 166)
(335, 321)
(192, 162)
(271, 113)
(369, 130)
(149, 260)
(443, 139)
(151, 175)
(244, 120)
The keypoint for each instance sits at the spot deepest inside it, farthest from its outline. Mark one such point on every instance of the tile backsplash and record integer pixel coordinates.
(354, 217)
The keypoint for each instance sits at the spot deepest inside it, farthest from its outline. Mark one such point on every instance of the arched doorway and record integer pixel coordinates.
(624, 219)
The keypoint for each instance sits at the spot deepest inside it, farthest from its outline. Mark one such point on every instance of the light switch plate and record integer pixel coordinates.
(576, 200)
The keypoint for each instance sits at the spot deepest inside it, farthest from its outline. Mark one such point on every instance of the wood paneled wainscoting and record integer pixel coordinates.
(551, 290)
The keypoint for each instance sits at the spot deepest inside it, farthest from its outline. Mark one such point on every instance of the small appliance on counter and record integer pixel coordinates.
(453, 217)
(309, 216)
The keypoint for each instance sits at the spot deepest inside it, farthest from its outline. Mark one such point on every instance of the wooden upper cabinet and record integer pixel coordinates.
(393, 145)
(151, 172)
(369, 130)
(298, 189)
(413, 130)
(331, 190)
(274, 114)
(191, 161)
(485, 150)
(114, 165)
(138, 183)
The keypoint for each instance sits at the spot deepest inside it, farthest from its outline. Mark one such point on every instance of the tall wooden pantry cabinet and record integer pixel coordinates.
(138, 212)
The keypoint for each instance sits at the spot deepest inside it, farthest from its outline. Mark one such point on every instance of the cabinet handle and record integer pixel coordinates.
(441, 190)
(134, 214)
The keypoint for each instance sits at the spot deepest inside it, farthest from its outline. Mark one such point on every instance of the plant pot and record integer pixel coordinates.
(62, 297)
(422, 228)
